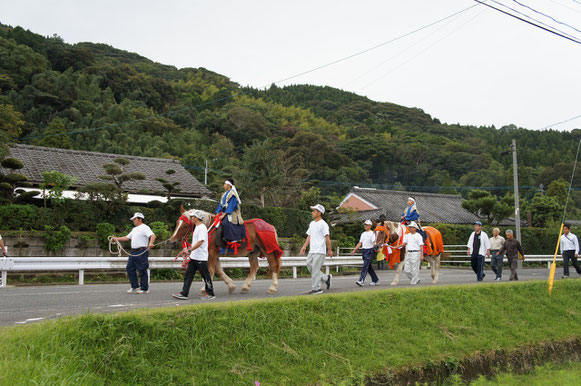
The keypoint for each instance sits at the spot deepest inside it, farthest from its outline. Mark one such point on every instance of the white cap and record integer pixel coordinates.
(199, 214)
(137, 215)
(319, 207)
(413, 224)
(368, 222)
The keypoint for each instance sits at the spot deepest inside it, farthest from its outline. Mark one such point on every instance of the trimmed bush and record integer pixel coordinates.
(104, 230)
(56, 239)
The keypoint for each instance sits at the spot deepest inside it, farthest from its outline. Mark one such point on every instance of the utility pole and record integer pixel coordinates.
(516, 195)
(206, 174)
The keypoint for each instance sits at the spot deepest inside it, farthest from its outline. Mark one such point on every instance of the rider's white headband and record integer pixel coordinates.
(228, 183)
(411, 199)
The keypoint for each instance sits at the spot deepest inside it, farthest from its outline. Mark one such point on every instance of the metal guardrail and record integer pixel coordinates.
(82, 264)
(456, 254)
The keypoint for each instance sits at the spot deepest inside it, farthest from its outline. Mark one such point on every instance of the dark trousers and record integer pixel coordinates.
(496, 263)
(367, 256)
(570, 255)
(477, 262)
(193, 266)
(138, 263)
(513, 264)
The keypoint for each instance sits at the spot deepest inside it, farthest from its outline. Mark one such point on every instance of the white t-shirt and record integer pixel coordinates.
(317, 231)
(414, 241)
(367, 239)
(200, 253)
(140, 236)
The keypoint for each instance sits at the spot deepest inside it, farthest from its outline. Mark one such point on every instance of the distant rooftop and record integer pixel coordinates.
(434, 208)
(87, 166)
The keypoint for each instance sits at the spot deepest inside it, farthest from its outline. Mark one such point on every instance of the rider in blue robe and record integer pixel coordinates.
(229, 210)
(411, 214)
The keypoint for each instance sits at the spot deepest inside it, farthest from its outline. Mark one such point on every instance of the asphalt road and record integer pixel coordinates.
(22, 305)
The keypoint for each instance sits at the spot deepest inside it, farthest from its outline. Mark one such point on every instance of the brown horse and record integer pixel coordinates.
(393, 238)
(184, 228)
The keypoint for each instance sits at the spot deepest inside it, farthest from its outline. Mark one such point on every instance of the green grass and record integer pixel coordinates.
(546, 375)
(298, 340)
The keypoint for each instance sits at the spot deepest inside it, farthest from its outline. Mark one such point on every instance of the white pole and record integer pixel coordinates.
(294, 272)
(206, 174)
(4, 278)
(81, 277)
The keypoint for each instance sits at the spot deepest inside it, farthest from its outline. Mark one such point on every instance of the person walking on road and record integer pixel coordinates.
(319, 243)
(569, 250)
(512, 248)
(142, 240)
(478, 247)
(198, 260)
(366, 242)
(496, 242)
(414, 255)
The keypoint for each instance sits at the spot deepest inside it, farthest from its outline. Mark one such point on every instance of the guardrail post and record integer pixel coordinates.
(4, 278)
(81, 277)
(294, 272)
(149, 276)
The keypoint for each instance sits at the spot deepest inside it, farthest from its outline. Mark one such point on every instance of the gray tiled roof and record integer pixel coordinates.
(442, 208)
(86, 166)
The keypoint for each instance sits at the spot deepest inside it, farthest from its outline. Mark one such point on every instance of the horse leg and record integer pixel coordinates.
(274, 264)
(398, 271)
(253, 259)
(227, 280)
(436, 269)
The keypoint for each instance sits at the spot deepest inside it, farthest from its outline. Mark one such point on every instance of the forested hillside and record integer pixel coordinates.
(275, 142)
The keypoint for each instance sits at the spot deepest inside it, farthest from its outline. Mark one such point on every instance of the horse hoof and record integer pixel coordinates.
(203, 291)
(231, 289)
(393, 283)
(272, 290)
(244, 290)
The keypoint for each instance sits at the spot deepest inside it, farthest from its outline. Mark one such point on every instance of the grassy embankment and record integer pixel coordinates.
(298, 340)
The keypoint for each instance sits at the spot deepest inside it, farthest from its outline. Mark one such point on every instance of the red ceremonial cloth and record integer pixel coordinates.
(267, 235)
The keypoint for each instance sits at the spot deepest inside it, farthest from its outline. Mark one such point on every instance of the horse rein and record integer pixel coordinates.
(120, 248)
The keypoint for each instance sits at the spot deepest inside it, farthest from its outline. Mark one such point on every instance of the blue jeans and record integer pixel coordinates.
(367, 255)
(496, 263)
(138, 262)
(477, 262)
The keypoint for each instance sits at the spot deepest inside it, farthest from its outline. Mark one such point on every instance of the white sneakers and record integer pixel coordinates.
(137, 291)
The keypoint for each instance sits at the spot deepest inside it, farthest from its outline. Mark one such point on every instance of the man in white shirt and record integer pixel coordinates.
(319, 243)
(142, 240)
(198, 260)
(414, 255)
(478, 247)
(366, 242)
(570, 250)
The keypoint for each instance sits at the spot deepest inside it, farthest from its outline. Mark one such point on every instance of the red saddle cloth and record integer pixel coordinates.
(267, 235)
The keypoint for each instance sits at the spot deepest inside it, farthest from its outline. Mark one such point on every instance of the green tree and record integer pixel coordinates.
(9, 183)
(480, 203)
(115, 172)
(54, 184)
(170, 187)
(558, 189)
(545, 209)
(11, 125)
(56, 135)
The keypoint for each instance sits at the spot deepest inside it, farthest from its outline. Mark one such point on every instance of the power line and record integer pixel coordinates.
(536, 20)
(375, 47)
(559, 123)
(544, 14)
(529, 22)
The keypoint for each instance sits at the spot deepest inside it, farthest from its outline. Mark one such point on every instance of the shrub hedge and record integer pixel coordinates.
(85, 215)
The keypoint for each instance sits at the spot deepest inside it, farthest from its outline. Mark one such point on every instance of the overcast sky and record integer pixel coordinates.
(480, 67)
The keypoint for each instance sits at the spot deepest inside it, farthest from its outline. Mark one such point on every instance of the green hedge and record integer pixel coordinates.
(85, 215)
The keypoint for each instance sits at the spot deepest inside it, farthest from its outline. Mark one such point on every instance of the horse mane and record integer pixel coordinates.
(207, 216)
